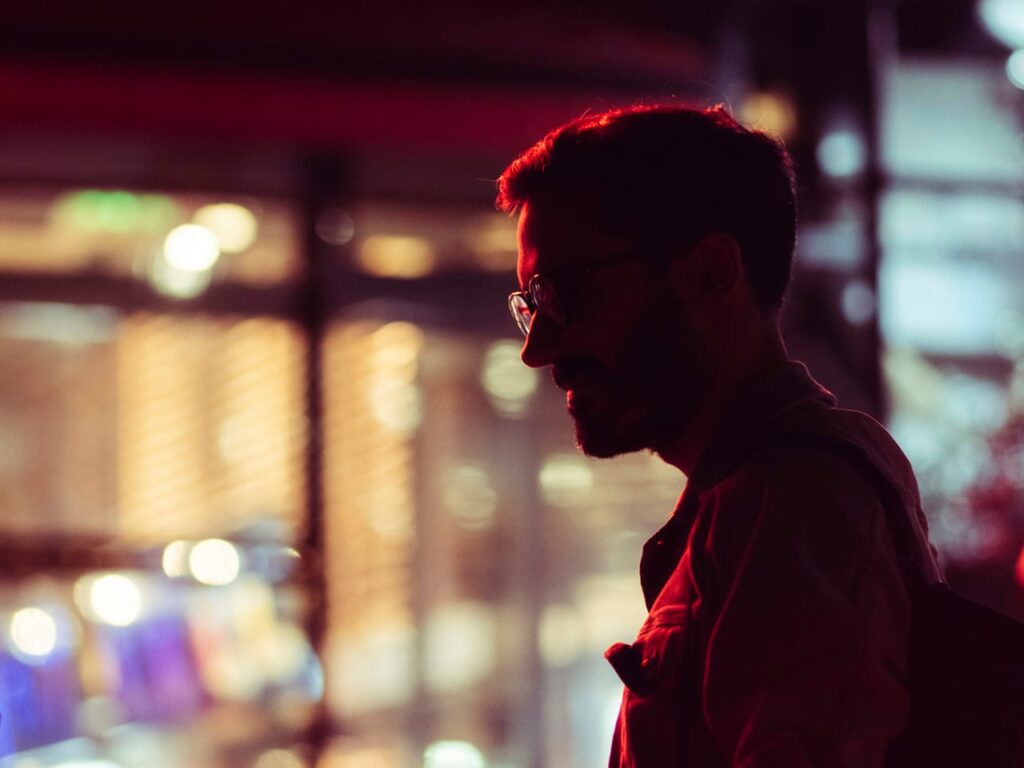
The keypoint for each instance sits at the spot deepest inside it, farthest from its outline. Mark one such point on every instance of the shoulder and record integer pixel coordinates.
(795, 501)
(795, 474)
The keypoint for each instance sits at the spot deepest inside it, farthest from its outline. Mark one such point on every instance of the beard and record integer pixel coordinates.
(646, 397)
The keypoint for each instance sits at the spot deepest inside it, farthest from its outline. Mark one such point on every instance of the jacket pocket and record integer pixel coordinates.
(654, 662)
(653, 669)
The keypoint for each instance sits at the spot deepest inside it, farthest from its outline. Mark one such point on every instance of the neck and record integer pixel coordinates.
(766, 351)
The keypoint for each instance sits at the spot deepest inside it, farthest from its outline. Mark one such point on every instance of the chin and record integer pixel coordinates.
(604, 438)
(605, 443)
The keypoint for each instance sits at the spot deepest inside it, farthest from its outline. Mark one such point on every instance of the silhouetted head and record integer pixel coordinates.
(658, 243)
(663, 176)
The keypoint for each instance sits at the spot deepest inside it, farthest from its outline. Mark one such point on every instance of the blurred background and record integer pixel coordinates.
(275, 490)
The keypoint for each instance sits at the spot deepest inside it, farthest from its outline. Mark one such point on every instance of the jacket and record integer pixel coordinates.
(778, 617)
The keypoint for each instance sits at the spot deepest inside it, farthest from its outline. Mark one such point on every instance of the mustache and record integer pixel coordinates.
(571, 371)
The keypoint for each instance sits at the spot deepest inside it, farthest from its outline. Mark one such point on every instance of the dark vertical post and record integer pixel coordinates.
(324, 181)
(879, 47)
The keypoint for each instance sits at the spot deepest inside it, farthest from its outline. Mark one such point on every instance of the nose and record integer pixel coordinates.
(544, 343)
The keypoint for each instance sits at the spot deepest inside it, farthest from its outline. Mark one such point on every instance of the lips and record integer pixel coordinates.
(574, 404)
(563, 381)
(577, 395)
(581, 379)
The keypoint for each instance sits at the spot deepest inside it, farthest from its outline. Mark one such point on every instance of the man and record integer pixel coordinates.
(655, 246)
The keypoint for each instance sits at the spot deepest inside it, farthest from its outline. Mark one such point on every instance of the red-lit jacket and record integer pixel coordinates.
(778, 619)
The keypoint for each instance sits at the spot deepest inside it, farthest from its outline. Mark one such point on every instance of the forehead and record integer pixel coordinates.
(564, 232)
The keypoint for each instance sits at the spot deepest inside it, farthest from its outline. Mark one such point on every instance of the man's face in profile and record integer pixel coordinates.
(633, 369)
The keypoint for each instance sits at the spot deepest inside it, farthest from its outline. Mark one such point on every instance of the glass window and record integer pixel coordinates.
(950, 299)
(154, 599)
(178, 243)
(478, 565)
(145, 428)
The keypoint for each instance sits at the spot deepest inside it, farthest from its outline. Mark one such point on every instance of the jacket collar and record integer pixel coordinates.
(750, 413)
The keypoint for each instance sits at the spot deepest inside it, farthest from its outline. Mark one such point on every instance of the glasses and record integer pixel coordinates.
(550, 295)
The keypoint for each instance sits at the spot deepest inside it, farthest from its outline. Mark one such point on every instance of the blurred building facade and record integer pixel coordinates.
(276, 490)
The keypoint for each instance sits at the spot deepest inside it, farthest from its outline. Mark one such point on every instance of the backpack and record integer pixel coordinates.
(965, 670)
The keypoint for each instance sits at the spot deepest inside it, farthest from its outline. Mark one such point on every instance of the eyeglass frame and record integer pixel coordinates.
(555, 309)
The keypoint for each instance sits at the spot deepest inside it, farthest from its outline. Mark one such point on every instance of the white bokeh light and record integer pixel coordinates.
(34, 632)
(175, 559)
(177, 283)
(453, 754)
(214, 562)
(191, 248)
(1004, 20)
(1015, 68)
(115, 599)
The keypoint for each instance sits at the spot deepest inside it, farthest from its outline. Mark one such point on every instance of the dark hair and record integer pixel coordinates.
(666, 175)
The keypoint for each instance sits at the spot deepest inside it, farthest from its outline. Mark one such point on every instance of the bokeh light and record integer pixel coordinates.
(470, 496)
(33, 632)
(460, 641)
(399, 256)
(279, 758)
(842, 153)
(191, 248)
(235, 226)
(395, 397)
(175, 559)
(396, 403)
(565, 480)
(214, 562)
(115, 211)
(453, 754)
(1015, 68)
(177, 283)
(373, 669)
(1004, 20)
(771, 112)
(492, 239)
(335, 226)
(510, 385)
(112, 598)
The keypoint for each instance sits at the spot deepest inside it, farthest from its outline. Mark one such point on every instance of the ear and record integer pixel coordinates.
(709, 271)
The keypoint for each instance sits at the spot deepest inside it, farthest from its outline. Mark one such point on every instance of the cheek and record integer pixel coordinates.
(661, 360)
(658, 340)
